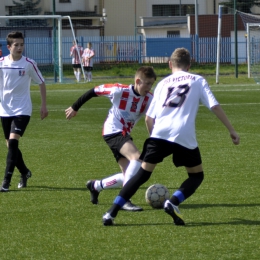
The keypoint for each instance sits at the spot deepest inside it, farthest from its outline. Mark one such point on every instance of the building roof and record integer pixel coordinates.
(76, 14)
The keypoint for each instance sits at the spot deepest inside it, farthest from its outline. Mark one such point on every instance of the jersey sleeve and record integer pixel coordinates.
(207, 98)
(34, 72)
(106, 90)
(83, 99)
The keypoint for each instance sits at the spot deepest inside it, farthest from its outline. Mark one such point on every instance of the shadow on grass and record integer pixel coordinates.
(234, 222)
(49, 188)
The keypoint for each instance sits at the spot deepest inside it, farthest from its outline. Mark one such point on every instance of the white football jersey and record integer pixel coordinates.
(175, 106)
(127, 107)
(15, 81)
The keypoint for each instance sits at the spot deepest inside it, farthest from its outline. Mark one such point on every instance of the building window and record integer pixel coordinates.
(173, 10)
(171, 34)
(64, 1)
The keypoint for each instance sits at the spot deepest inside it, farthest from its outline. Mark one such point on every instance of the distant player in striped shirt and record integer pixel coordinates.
(76, 52)
(87, 59)
(129, 104)
(16, 72)
(170, 120)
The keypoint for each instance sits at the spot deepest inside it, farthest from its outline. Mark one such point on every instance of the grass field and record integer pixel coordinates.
(53, 218)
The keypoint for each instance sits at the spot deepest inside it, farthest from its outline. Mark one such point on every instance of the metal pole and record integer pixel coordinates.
(54, 42)
(219, 41)
(196, 31)
(60, 50)
(235, 31)
(248, 50)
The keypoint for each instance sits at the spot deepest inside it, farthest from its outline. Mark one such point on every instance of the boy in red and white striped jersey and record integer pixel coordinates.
(129, 104)
(87, 59)
(76, 52)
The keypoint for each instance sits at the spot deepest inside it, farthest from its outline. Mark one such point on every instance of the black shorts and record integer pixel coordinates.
(88, 68)
(14, 124)
(155, 150)
(115, 143)
(76, 66)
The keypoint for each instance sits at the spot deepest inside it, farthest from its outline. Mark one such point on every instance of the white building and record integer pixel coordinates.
(124, 17)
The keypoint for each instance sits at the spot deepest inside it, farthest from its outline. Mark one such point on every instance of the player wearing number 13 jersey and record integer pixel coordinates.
(175, 106)
(170, 120)
(129, 104)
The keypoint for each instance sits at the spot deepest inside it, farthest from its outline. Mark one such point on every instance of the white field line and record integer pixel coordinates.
(105, 108)
(100, 108)
(213, 89)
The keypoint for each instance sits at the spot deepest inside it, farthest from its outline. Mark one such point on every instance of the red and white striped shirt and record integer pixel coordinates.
(87, 57)
(76, 58)
(127, 107)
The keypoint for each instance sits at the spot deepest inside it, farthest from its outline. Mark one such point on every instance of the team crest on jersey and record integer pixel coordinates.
(21, 72)
(134, 106)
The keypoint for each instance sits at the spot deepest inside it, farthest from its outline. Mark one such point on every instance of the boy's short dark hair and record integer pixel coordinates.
(146, 71)
(13, 35)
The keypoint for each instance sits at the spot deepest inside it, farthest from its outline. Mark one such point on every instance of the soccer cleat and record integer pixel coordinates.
(93, 193)
(107, 220)
(5, 185)
(23, 179)
(129, 206)
(174, 212)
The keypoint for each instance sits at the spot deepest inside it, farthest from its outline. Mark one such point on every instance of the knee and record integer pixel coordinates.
(12, 143)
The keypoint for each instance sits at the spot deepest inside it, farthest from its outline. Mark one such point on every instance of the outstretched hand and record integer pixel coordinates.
(70, 112)
(235, 137)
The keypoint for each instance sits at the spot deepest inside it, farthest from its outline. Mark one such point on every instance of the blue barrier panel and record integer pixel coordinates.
(164, 47)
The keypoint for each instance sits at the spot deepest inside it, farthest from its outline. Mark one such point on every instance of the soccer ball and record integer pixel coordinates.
(156, 195)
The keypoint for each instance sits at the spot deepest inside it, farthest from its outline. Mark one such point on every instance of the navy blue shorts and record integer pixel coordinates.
(155, 150)
(15, 125)
(115, 143)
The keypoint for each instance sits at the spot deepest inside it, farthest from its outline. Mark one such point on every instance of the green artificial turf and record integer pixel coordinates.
(53, 218)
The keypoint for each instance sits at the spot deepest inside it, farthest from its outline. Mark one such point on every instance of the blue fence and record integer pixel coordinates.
(111, 49)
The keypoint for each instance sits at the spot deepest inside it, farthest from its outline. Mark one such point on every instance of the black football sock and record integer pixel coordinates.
(11, 158)
(187, 188)
(20, 163)
(129, 190)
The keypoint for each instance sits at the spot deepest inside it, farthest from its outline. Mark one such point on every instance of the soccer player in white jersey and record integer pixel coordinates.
(87, 60)
(76, 52)
(129, 104)
(16, 72)
(170, 121)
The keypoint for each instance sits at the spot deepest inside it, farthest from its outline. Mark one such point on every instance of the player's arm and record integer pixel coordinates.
(218, 111)
(149, 124)
(72, 111)
(44, 110)
(93, 54)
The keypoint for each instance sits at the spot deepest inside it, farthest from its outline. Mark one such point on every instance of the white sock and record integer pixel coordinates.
(131, 170)
(113, 181)
(75, 73)
(79, 76)
(90, 76)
